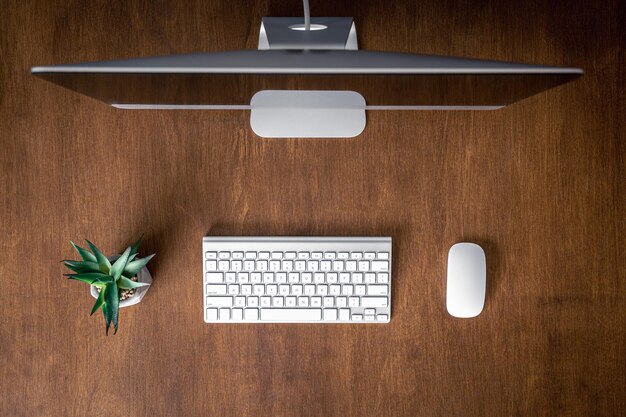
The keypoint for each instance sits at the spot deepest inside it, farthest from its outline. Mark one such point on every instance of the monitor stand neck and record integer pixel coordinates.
(325, 33)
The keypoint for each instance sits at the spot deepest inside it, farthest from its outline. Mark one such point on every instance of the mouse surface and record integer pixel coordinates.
(467, 280)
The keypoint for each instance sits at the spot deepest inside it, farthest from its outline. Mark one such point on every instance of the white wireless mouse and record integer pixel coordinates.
(467, 280)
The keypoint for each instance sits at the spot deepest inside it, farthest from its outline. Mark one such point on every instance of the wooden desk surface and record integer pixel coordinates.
(540, 185)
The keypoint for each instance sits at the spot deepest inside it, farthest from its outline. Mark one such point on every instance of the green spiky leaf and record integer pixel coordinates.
(112, 301)
(133, 268)
(128, 284)
(105, 313)
(84, 253)
(105, 265)
(135, 249)
(91, 277)
(118, 266)
(99, 303)
(80, 267)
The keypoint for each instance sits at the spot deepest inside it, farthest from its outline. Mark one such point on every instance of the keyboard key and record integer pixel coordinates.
(213, 277)
(291, 314)
(224, 314)
(369, 311)
(236, 266)
(329, 301)
(357, 317)
(283, 289)
(304, 255)
(306, 277)
(237, 255)
(357, 278)
(210, 265)
(210, 255)
(237, 314)
(219, 301)
(313, 266)
(351, 266)
(294, 277)
(278, 301)
(370, 278)
(330, 314)
(326, 266)
(353, 301)
(364, 266)
(316, 301)
(223, 265)
(383, 255)
(374, 301)
(369, 318)
(266, 301)
(262, 265)
(377, 290)
(343, 255)
(338, 266)
(309, 289)
(341, 301)
(296, 289)
(356, 255)
(331, 278)
(255, 277)
(258, 289)
(233, 289)
(268, 277)
(344, 278)
(290, 255)
(250, 255)
(359, 289)
(230, 277)
(281, 277)
(330, 255)
(287, 266)
(246, 289)
(271, 289)
(347, 289)
(369, 255)
(303, 301)
(344, 314)
(380, 266)
(277, 255)
(243, 277)
(322, 289)
(300, 266)
(249, 265)
(290, 301)
(211, 314)
(224, 255)
(264, 255)
(251, 314)
(240, 301)
(383, 278)
(335, 289)
(253, 301)
(382, 317)
(275, 265)
(317, 255)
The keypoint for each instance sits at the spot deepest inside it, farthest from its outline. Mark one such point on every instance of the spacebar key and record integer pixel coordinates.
(291, 314)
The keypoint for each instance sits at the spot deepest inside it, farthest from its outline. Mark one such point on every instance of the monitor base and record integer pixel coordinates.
(307, 114)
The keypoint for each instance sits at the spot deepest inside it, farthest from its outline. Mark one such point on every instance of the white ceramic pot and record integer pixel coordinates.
(142, 276)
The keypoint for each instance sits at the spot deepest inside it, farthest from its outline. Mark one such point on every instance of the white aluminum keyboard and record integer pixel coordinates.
(297, 279)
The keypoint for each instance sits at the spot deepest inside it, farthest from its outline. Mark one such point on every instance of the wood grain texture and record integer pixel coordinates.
(540, 185)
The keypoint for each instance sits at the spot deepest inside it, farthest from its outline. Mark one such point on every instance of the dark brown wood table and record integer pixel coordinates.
(540, 185)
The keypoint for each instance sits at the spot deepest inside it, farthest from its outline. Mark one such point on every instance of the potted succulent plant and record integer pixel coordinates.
(117, 281)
